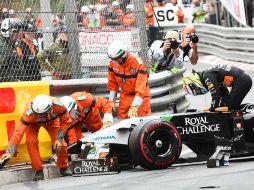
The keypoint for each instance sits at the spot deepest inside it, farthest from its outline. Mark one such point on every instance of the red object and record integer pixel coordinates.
(2, 152)
(8, 100)
(10, 128)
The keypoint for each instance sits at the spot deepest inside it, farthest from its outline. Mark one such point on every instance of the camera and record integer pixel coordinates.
(194, 38)
(174, 44)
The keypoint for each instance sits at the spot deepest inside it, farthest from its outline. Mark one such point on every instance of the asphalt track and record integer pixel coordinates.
(237, 176)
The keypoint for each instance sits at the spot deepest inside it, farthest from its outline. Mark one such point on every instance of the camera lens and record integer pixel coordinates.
(194, 39)
(174, 44)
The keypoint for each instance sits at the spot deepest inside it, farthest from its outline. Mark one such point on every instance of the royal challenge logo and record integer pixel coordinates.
(197, 125)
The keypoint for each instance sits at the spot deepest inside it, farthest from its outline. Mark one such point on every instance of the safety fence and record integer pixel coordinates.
(236, 44)
(66, 39)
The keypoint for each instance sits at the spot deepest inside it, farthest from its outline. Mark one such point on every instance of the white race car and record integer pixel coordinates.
(151, 142)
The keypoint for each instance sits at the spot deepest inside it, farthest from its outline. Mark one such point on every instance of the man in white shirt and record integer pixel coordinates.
(166, 54)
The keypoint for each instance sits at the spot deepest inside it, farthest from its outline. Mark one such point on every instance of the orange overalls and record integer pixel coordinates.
(38, 22)
(149, 13)
(132, 78)
(119, 12)
(31, 122)
(129, 19)
(89, 108)
(84, 19)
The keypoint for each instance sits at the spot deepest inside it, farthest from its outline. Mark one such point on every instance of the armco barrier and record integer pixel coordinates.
(165, 87)
(236, 44)
(14, 97)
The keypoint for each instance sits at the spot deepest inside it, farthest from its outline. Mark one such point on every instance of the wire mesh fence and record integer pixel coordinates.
(66, 39)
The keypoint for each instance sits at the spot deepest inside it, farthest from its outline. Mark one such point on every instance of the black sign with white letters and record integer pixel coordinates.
(95, 166)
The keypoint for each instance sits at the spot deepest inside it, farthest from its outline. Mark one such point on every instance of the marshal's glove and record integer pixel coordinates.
(112, 99)
(58, 146)
(133, 111)
(58, 143)
(106, 125)
(6, 156)
(10, 151)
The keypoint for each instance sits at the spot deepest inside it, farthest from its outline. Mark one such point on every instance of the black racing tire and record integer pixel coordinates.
(155, 144)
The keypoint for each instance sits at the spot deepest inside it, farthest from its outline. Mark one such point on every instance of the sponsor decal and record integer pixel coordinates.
(167, 118)
(104, 138)
(226, 148)
(116, 70)
(90, 166)
(132, 70)
(81, 167)
(103, 154)
(238, 138)
(86, 110)
(238, 125)
(197, 125)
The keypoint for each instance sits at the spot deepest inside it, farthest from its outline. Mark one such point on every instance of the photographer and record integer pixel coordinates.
(166, 54)
(189, 43)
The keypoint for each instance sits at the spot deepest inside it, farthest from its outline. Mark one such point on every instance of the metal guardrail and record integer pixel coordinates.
(236, 44)
(165, 88)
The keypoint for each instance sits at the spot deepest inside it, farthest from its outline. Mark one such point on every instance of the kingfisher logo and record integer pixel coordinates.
(197, 125)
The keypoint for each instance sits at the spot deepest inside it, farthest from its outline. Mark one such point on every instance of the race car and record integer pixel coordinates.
(155, 142)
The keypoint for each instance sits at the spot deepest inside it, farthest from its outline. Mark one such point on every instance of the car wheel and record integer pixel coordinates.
(155, 144)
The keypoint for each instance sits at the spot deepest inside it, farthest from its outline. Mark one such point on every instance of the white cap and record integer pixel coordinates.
(172, 34)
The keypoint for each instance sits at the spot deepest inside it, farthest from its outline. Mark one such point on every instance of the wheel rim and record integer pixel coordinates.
(159, 142)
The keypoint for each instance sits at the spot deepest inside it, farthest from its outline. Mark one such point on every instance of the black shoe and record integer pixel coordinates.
(65, 172)
(39, 175)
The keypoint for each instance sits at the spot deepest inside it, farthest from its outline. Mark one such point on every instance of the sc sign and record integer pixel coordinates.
(166, 15)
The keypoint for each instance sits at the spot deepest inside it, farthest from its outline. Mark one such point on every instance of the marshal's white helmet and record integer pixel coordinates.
(11, 12)
(117, 50)
(42, 104)
(69, 103)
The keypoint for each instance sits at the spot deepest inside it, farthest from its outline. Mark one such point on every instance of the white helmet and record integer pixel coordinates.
(42, 104)
(117, 50)
(92, 7)
(85, 9)
(130, 7)
(11, 12)
(28, 10)
(69, 103)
